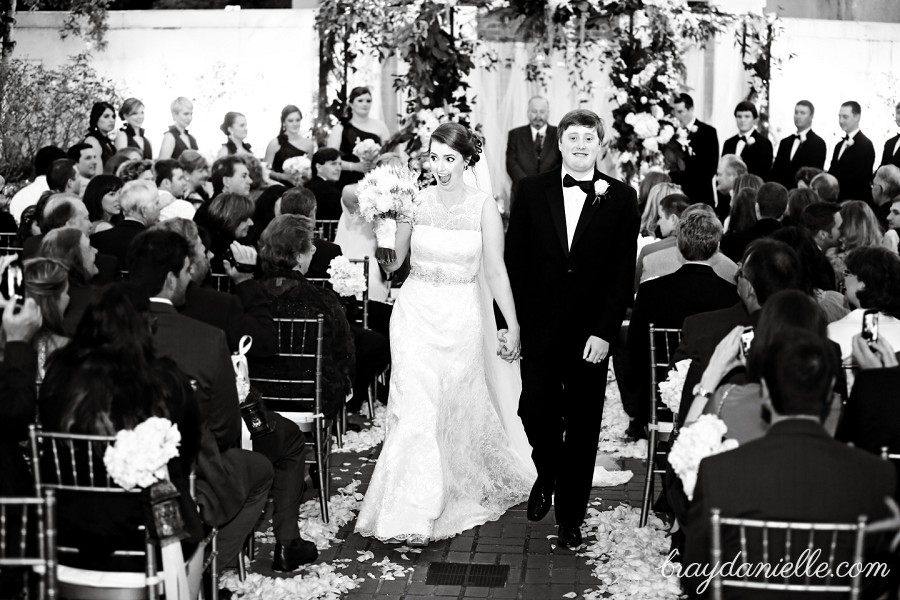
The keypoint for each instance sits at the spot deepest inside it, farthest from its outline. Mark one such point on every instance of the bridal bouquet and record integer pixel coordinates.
(387, 194)
(139, 456)
(695, 442)
(347, 278)
(670, 389)
(298, 167)
(367, 150)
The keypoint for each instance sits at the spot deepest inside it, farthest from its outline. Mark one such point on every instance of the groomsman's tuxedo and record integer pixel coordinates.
(522, 156)
(757, 155)
(853, 167)
(891, 153)
(700, 168)
(809, 153)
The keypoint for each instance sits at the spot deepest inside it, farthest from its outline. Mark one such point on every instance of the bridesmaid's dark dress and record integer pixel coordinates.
(107, 147)
(349, 138)
(180, 146)
(133, 143)
(286, 150)
(232, 147)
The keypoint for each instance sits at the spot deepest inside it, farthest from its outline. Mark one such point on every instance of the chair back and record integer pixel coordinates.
(28, 538)
(326, 229)
(221, 282)
(9, 244)
(663, 343)
(776, 543)
(362, 321)
(299, 387)
(895, 458)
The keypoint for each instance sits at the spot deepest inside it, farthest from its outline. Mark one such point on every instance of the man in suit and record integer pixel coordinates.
(750, 145)
(797, 472)
(159, 263)
(570, 254)
(325, 183)
(730, 168)
(29, 195)
(532, 148)
(826, 186)
(140, 209)
(853, 157)
(802, 149)
(230, 175)
(891, 153)
(702, 156)
(885, 189)
(666, 301)
(771, 200)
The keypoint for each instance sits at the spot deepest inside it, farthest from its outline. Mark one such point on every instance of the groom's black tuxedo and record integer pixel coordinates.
(563, 296)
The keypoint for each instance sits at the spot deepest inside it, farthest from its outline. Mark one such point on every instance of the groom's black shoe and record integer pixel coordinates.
(539, 501)
(570, 536)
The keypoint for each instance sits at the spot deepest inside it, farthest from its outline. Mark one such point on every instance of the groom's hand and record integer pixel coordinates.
(595, 350)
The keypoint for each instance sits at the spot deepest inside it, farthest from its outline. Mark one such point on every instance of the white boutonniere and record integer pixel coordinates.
(600, 189)
(693, 129)
(848, 142)
(750, 140)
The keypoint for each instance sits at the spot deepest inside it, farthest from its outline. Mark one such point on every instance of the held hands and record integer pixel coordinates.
(595, 350)
(21, 325)
(726, 357)
(878, 355)
(510, 347)
(385, 256)
(245, 256)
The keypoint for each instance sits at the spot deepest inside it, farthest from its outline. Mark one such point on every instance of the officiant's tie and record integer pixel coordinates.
(538, 146)
(586, 186)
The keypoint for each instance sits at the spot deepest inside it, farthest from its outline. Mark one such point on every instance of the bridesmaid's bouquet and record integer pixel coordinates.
(367, 150)
(298, 168)
(387, 194)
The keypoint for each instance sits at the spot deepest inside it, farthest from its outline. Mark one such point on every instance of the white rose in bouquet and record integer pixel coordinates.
(367, 150)
(386, 194)
(139, 456)
(347, 278)
(299, 167)
(645, 126)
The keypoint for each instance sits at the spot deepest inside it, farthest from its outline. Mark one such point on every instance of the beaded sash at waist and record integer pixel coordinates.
(439, 275)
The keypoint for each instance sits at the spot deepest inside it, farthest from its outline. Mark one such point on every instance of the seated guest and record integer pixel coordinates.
(286, 250)
(47, 282)
(85, 393)
(71, 247)
(650, 216)
(200, 351)
(196, 171)
(85, 159)
(230, 175)
(768, 267)
(670, 209)
(669, 260)
(122, 156)
(859, 227)
(62, 177)
(140, 209)
(647, 184)
(28, 195)
(228, 219)
(804, 176)
(55, 211)
(885, 189)
(172, 184)
(771, 200)
(817, 271)
(101, 198)
(798, 200)
(797, 472)
(666, 301)
(132, 170)
(245, 312)
(826, 186)
(873, 282)
(301, 201)
(730, 168)
(28, 226)
(266, 204)
(326, 171)
(823, 222)
(891, 240)
(743, 211)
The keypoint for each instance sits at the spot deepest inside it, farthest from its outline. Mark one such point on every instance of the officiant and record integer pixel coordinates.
(532, 148)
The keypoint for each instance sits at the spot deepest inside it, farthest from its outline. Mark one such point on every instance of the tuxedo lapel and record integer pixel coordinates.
(558, 211)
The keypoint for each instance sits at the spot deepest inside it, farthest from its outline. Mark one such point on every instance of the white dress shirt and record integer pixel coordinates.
(542, 131)
(842, 331)
(27, 196)
(801, 137)
(896, 146)
(573, 200)
(844, 146)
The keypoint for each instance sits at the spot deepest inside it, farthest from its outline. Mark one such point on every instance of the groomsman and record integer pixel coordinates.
(891, 154)
(750, 145)
(853, 157)
(802, 149)
(532, 148)
(703, 156)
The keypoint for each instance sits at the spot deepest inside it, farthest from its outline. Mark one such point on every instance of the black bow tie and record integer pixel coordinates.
(586, 186)
(744, 138)
(846, 137)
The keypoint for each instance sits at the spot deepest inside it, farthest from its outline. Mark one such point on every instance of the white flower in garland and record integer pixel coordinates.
(347, 278)
(644, 124)
(139, 456)
(694, 443)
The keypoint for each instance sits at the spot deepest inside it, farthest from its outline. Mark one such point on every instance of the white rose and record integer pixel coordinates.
(651, 144)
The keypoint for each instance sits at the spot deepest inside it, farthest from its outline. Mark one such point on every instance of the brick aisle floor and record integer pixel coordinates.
(537, 570)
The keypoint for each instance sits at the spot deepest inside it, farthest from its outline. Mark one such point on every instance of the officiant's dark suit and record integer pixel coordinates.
(522, 157)
(854, 168)
(888, 156)
(757, 156)
(563, 296)
(700, 168)
(810, 153)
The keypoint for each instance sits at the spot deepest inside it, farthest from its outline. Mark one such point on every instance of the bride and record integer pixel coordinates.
(455, 455)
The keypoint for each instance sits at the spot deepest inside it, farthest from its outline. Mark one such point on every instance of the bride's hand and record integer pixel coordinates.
(510, 347)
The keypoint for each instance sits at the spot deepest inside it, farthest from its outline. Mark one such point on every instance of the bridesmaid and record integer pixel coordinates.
(100, 126)
(132, 134)
(177, 139)
(235, 127)
(288, 143)
(356, 126)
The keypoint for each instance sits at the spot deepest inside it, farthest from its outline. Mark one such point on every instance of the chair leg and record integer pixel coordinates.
(373, 395)
(648, 481)
(214, 568)
(323, 442)
(242, 569)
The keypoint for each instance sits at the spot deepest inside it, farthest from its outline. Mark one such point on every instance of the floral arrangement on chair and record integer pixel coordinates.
(386, 195)
(298, 168)
(347, 278)
(139, 456)
(670, 389)
(695, 442)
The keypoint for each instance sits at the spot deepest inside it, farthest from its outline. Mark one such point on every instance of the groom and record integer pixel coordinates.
(570, 253)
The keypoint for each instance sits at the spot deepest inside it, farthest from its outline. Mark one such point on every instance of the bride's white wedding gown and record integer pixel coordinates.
(455, 454)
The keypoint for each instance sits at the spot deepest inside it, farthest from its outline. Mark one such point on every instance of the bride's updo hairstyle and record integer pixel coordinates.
(460, 139)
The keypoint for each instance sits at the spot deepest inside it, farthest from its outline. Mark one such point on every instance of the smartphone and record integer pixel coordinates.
(870, 326)
(746, 341)
(239, 267)
(13, 287)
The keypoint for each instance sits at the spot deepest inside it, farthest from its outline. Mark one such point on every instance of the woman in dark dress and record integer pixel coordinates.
(100, 126)
(288, 144)
(355, 127)
(177, 139)
(235, 127)
(228, 218)
(132, 134)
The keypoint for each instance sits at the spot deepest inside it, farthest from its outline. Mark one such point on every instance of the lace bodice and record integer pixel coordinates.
(446, 243)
